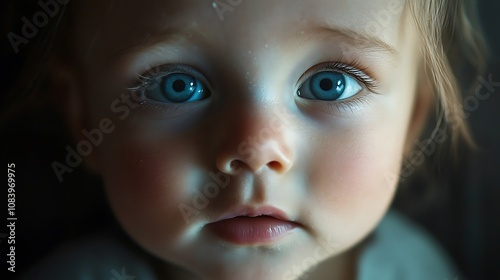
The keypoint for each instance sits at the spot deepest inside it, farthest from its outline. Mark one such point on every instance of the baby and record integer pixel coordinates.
(256, 139)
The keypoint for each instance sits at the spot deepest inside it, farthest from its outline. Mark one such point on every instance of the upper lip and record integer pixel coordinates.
(248, 211)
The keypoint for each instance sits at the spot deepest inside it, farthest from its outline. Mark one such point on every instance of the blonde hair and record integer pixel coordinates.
(451, 37)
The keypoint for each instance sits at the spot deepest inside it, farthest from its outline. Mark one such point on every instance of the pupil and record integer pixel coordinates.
(326, 84)
(179, 85)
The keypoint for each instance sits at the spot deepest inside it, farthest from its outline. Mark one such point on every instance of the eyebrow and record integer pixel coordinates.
(166, 36)
(355, 38)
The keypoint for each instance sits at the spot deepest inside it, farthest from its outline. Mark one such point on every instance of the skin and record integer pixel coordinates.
(326, 164)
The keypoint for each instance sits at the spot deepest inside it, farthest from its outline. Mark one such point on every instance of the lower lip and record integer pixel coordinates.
(251, 230)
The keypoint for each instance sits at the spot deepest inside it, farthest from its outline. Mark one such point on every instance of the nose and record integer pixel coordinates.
(256, 141)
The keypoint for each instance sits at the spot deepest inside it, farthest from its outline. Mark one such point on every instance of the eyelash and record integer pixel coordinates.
(354, 69)
(150, 77)
(357, 71)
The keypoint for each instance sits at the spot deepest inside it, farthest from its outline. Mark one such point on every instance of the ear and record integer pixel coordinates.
(423, 102)
(67, 92)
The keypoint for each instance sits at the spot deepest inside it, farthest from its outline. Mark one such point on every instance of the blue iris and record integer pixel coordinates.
(329, 86)
(180, 87)
(177, 88)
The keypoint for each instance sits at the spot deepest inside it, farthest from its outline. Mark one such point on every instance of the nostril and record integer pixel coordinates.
(234, 165)
(274, 165)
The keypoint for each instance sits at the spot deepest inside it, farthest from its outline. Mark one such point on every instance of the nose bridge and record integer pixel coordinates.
(254, 136)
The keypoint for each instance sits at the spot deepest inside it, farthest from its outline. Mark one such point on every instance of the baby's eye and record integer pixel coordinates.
(177, 88)
(329, 86)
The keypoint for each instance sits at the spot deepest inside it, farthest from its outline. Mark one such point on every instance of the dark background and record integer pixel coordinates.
(463, 215)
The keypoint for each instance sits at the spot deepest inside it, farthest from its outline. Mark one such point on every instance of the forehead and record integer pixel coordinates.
(115, 25)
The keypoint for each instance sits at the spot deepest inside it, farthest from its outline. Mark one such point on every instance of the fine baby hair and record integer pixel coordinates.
(250, 139)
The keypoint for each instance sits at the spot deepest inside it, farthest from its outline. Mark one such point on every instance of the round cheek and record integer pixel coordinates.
(146, 182)
(351, 177)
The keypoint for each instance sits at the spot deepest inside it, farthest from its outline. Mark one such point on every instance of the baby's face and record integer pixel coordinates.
(298, 112)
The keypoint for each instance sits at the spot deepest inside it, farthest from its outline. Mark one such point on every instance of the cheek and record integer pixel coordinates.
(352, 173)
(145, 182)
(358, 163)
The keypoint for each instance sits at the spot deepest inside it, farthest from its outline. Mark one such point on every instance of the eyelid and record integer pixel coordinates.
(152, 75)
(354, 70)
(348, 106)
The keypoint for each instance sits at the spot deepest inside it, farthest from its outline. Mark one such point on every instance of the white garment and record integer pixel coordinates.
(401, 250)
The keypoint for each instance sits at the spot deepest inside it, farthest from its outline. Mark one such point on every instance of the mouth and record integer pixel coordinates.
(251, 227)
